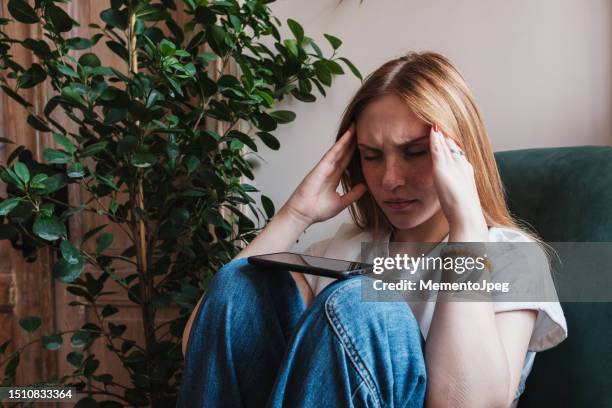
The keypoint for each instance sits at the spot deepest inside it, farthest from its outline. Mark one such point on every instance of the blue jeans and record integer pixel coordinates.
(253, 343)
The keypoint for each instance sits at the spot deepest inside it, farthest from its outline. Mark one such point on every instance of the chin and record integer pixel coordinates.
(411, 219)
(406, 224)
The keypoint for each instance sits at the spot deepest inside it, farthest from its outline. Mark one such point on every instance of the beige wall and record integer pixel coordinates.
(540, 70)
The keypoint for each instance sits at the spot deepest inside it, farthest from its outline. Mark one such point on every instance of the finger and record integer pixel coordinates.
(454, 149)
(454, 146)
(446, 151)
(436, 146)
(354, 194)
(347, 156)
(343, 143)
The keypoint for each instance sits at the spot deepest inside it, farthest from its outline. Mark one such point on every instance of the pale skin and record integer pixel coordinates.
(473, 355)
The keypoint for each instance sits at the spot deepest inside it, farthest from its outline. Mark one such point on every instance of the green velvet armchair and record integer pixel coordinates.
(566, 195)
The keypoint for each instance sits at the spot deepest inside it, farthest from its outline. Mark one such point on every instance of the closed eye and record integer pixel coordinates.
(414, 153)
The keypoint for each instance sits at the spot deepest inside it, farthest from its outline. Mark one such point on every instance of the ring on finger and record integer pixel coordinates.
(458, 152)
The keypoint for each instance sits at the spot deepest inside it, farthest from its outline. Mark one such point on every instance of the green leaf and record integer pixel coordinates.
(64, 142)
(8, 205)
(269, 140)
(66, 70)
(244, 138)
(323, 74)
(93, 148)
(205, 15)
(52, 342)
(21, 170)
(71, 95)
(296, 29)
(206, 57)
(90, 60)
(38, 181)
(292, 46)
(60, 19)
(56, 156)
(66, 272)
(167, 47)
(108, 180)
(191, 163)
(264, 122)
(32, 77)
(268, 206)
(75, 358)
(79, 43)
(152, 12)
(109, 310)
(118, 49)
(115, 18)
(236, 23)
(143, 160)
(37, 123)
(49, 228)
(69, 252)
(46, 210)
(22, 11)
(352, 67)
(114, 115)
(283, 116)
(55, 182)
(314, 46)
(75, 171)
(40, 47)
(79, 339)
(103, 241)
(30, 323)
(4, 346)
(92, 232)
(334, 41)
(16, 96)
(303, 96)
(215, 35)
(334, 67)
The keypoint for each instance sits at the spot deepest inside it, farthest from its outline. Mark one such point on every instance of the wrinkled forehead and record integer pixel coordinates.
(389, 120)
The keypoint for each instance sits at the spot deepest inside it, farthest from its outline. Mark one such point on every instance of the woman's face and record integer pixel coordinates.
(394, 154)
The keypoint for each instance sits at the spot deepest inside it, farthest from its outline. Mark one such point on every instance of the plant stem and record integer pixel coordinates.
(140, 230)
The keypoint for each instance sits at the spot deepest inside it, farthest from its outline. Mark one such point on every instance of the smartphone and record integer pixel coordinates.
(313, 265)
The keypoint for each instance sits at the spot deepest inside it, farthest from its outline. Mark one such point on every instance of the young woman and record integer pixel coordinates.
(416, 164)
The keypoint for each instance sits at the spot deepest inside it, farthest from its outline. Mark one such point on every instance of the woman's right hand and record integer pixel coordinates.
(316, 199)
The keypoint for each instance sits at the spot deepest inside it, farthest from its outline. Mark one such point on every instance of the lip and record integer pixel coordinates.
(399, 204)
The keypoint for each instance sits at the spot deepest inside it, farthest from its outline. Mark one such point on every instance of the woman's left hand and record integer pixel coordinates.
(454, 180)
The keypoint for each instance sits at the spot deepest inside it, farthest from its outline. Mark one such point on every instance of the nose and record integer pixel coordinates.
(394, 176)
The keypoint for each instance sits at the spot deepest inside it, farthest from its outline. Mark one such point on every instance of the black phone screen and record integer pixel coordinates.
(315, 265)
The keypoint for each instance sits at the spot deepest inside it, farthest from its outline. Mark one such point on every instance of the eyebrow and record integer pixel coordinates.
(402, 145)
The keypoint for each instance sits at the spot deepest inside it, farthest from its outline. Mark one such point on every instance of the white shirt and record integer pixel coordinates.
(550, 327)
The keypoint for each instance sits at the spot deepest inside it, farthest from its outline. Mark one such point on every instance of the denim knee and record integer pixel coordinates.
(231, 275)
(232, 284)
(382, 339)
(344, 302)
(241, 289)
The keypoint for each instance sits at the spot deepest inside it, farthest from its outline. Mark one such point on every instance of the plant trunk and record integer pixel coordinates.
(140, 235)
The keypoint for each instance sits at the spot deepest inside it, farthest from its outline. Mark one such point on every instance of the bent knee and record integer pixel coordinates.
(347, 297)
(235, 278)
(344, 305)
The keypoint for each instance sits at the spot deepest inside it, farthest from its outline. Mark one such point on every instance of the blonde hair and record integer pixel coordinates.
(437, 93)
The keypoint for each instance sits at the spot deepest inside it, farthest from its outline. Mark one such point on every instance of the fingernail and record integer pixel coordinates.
(435, 127)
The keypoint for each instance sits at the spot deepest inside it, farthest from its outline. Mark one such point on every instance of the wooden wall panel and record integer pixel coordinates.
(29, 289)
